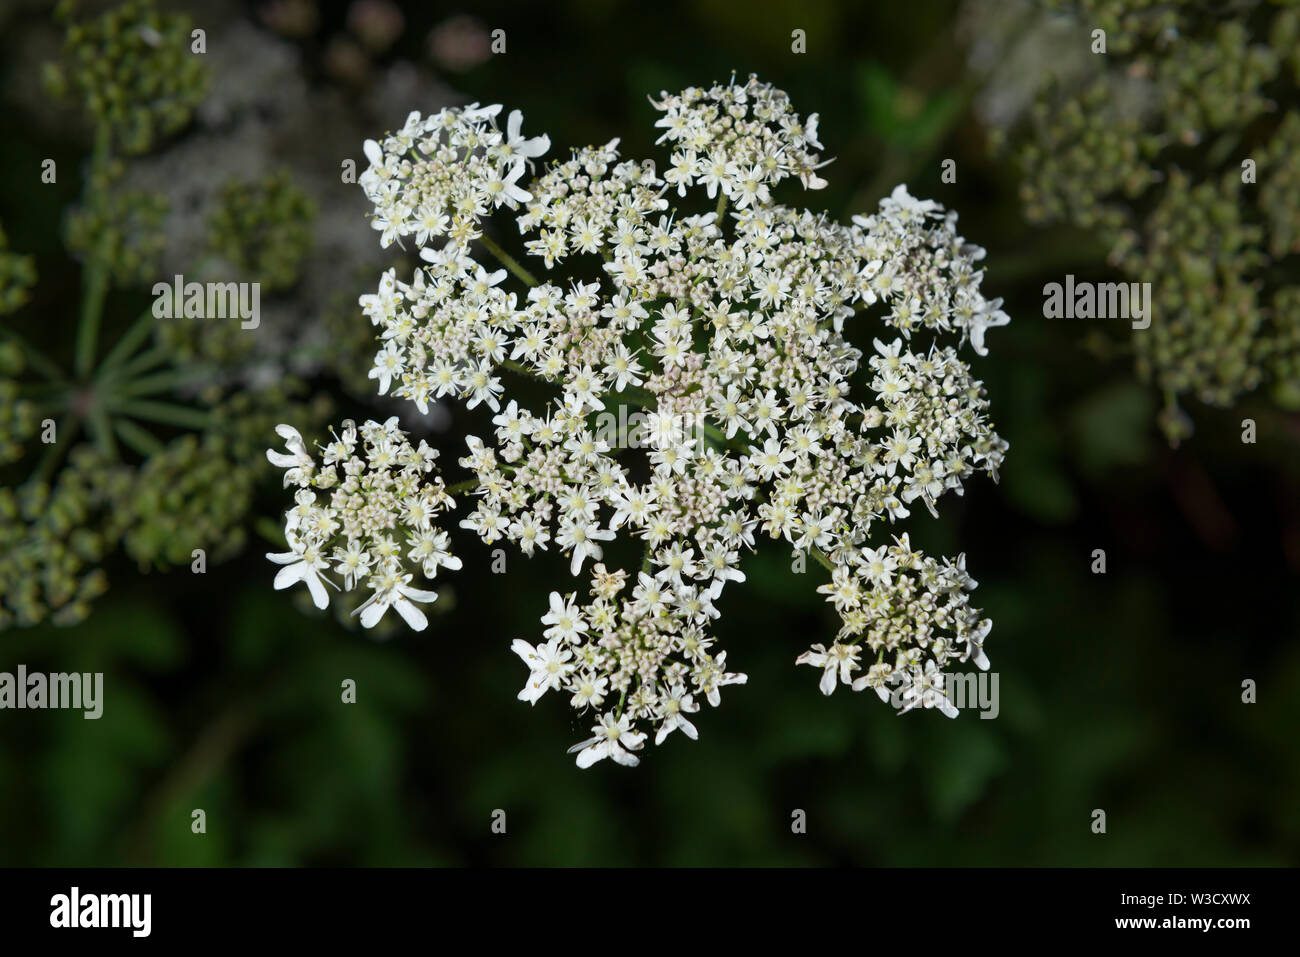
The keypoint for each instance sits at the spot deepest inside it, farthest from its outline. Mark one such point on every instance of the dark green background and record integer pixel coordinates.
(1119, 691)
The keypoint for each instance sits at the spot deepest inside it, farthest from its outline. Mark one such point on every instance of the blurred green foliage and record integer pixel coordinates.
(144, 441)
(130, 68)
(263, 228)
(1180, 148)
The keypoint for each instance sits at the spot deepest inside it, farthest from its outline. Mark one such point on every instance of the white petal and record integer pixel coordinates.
(582, 744)
(289, 575)
(411, 615)
(371, 614)
(625, 758)
(416, 594)
(828, 681)
(317, 589)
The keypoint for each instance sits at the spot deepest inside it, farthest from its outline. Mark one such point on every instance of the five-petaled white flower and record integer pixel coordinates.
(614, 739)
(837, 664)
(549, 663)
(304, 565)
(394, 592)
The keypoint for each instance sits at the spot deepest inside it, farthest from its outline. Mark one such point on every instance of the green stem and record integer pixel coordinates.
(141, 440)
(139, 330)
(162, 412)
(145, 360)
(464, 486)
(519, 368)
(102, 431)
(97, 271)
(158, 382)
(92, 311)
(507, 260)
(38, 359)
(131, 340)
(206, 757)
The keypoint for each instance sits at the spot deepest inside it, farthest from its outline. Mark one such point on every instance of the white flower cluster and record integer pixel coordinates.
(441, 174)
(741, 139)
(377, 524)
(739, 318)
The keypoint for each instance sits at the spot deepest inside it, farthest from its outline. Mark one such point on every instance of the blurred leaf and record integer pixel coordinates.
(1114, 427)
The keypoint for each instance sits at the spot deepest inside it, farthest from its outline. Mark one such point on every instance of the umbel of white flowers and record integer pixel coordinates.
(739, 317)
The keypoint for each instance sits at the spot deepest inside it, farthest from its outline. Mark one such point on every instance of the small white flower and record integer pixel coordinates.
(515, 145)
(614, 739)
(297, 460)
(837, 664)
(928, 689)
(549, 665)
(502, 190)
(302, 565)
(676, 705)
(393, 592)
(583, 539)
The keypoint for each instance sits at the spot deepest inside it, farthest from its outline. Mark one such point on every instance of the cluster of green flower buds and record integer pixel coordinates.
(193, 493)
(52, 537)
(177, 432)
(17, 414)
(17, 276)
(196, 492)
(263, 228)
(132, 69)
(126, 228)
(1182, 152)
